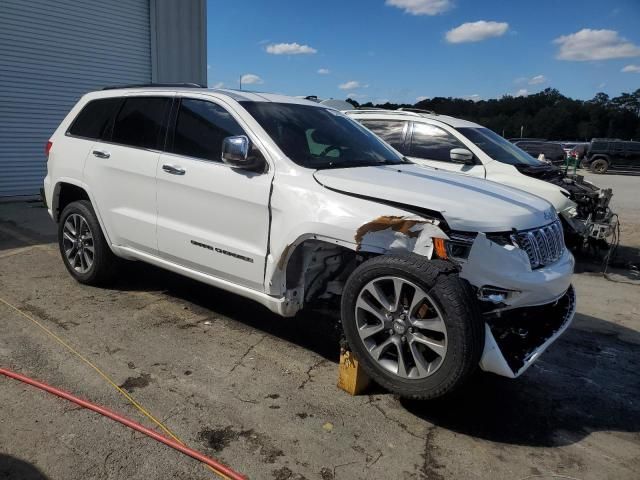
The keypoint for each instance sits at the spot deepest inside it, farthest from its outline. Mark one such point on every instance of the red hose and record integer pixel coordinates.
(217, 466)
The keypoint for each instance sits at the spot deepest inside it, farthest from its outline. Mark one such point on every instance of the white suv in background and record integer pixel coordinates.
(460, 146)
(289, 203)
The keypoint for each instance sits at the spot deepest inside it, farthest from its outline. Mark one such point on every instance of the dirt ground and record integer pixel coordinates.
(258, 392)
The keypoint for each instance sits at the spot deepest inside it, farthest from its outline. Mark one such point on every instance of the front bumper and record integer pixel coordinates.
(516, 338)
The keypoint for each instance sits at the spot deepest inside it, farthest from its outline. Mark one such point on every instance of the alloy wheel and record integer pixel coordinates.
(401, 327)
(77, 242)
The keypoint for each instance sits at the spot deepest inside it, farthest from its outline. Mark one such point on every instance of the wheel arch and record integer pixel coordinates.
(66, 191)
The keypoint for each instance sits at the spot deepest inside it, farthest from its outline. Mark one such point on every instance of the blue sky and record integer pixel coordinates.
(401, 50)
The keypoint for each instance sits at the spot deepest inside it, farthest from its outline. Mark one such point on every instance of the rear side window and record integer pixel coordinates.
(390, 131)
(201, 127)
(140, 122)
(599, 146)
(432, 143)
(94, 119)
(633, 147)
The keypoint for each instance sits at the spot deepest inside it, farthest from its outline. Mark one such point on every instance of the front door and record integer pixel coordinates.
(431, 145)
(211, 217)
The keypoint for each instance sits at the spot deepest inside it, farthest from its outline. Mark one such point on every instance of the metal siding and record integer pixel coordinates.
(51, 53)
(179, 40)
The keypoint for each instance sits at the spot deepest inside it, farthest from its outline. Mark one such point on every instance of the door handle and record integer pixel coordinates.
(173, 169)
(101, 154)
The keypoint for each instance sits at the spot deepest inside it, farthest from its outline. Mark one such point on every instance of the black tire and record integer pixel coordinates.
(455, 300)
(599, 165)
(105, 264)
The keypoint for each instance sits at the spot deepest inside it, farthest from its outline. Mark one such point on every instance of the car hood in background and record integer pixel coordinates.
(466, 203)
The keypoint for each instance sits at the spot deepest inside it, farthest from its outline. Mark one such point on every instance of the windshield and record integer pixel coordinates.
(317, 137)
(497, 147)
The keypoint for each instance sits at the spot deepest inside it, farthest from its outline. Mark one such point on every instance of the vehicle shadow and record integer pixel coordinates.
(12, 468)
(587, 381)
(315, 330)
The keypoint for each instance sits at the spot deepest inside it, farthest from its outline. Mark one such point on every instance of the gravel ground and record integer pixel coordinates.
(258, 391)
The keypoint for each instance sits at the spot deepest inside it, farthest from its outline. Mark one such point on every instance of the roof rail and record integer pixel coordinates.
(380, 110)
(156, 85)
(417, 110)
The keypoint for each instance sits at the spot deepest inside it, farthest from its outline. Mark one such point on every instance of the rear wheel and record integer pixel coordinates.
(599, 165)
(84, 249)
(413, 324)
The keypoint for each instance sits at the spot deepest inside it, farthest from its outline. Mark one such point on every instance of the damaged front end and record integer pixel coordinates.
(515, 338)
(522, 283)
(590, 221)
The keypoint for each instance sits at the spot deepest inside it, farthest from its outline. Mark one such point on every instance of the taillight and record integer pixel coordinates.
(47, 149)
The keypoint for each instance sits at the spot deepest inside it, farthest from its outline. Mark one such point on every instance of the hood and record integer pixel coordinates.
(542, 181)
(466, 203)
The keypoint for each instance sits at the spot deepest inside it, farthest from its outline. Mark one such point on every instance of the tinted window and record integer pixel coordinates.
(201, 127)
(599, 146)
(432, 143)
(391, 132)
(633, 146)
(318, 137)
(94, 119)
(140, 122)
(497, 147)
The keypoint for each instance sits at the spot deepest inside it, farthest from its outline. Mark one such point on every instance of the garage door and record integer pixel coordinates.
(51, 53)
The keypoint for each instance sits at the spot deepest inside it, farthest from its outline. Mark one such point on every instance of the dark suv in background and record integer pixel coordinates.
(604, 154)
(553, 152)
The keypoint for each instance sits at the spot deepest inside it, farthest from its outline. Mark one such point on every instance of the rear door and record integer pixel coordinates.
(121, 170)
(211, 217)
(431, 145)
(618, 155)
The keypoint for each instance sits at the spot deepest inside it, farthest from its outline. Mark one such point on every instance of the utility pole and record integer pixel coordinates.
(521, 130)
(240, 82)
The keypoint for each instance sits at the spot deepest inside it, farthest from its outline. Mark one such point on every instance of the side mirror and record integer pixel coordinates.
(236, 153)
(461, 155)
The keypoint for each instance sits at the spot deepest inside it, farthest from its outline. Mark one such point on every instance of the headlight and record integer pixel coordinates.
(456, 248)
(570, 212)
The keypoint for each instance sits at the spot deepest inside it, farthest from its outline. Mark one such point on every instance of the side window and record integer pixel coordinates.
(140, 121)
(201, 127)
(432, 143)
(391, 132)
(94, 119)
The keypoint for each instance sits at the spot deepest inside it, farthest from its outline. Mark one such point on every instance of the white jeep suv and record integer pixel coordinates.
(287, 202)
(460, 146)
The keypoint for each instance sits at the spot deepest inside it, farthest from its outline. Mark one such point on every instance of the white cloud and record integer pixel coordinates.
(631, 69)
(421, 98)
(476, 31)
(324, 71)
(523, 92)
(351, 84)
(421, 7)
(355, 95)
(475, 97)
(290, 49)
(602, 85)
(588, 44)
(537, 80)
(218, 85)
(251, 79)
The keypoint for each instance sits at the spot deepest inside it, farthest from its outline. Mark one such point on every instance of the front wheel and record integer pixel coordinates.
(413, 324)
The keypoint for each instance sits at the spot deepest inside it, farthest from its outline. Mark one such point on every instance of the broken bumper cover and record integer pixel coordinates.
(516, 338)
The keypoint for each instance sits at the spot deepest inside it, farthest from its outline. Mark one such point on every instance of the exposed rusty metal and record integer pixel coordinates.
(397, 224)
